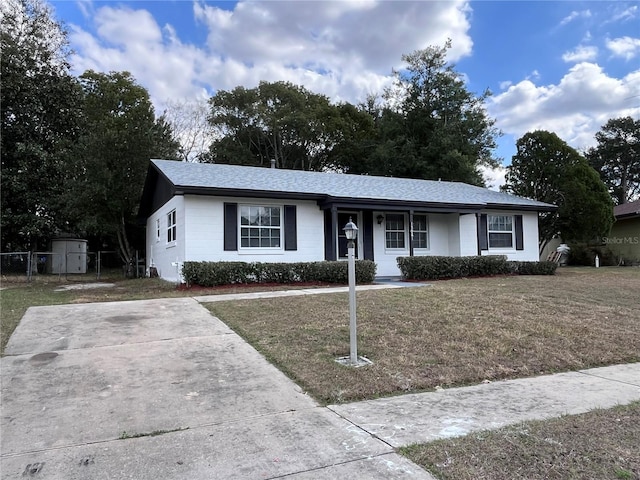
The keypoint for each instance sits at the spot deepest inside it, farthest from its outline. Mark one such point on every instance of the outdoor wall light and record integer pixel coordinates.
(380, 219)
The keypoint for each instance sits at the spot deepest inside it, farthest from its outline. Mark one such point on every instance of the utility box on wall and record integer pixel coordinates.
(70, 255)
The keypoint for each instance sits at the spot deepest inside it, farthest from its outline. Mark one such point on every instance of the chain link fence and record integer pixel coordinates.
(72, 266)
(15, 266)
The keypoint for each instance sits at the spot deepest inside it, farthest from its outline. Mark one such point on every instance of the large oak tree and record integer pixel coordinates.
(40, 110)
(545, 168)
(278, 121)
(617, 158)
(430, 125)
(120, 134)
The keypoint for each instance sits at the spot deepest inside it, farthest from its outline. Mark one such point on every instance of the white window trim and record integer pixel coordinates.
(261, 250)
(406, 233)
(158, 230)
(513, 233)
(428, 247)
(172, 227)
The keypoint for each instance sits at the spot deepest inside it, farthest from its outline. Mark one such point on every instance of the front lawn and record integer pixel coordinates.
(454, 332)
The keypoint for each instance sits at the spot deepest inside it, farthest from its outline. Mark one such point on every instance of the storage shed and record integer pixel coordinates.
(69, 255)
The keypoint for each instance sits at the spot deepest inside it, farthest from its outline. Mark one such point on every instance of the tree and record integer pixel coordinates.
(190, 126)
(120, 134)
(617, 158)
(277, 121)
(40, 109)
(431, 126)
(545, 168)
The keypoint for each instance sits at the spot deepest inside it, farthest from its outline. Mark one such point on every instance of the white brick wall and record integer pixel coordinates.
(161, 254)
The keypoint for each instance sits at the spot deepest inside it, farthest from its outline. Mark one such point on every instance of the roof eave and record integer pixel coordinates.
(527, 208)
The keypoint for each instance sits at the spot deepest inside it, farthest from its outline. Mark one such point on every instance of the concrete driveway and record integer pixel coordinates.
(160, 389)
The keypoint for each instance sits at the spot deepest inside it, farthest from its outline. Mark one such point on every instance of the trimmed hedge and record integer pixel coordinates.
(533, 268)
(434, 268)
(211, 274)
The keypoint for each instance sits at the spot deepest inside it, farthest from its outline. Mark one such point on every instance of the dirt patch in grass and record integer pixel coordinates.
(453, 333)
(559, 449)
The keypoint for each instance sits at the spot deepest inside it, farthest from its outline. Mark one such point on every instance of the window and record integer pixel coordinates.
(420, 231)
(171, 226)
(260, 226)
(157, 229)
(500, 228)
(394, 230)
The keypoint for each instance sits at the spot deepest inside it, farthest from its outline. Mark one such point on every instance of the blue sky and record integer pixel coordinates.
(561, 66)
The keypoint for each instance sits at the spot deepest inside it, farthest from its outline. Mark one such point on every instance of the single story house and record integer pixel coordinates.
(214, 212)
(624, 238)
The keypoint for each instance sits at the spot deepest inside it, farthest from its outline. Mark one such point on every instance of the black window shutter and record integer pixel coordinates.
(290, 228)
(230, 226)
(519, 235)
(483, 238)
(367, 234)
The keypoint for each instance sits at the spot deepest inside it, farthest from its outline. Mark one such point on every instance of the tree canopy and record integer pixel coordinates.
(617, 158)
(276, 121)
(40, 109)
(545, 168)
(120, 134)
(430, 125)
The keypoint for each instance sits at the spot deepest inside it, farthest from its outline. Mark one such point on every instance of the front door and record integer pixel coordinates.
(343, 219)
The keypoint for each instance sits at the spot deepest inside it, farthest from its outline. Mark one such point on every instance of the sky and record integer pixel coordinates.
(562, 66)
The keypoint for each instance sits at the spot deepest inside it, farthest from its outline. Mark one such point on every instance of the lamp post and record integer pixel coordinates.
(351, 232)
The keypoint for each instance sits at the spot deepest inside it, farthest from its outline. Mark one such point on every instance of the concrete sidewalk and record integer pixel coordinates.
(160, 389)
(300, 292)
(424, 417)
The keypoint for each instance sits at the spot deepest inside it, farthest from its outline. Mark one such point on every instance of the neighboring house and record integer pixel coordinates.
(212, 212)
(624, 238)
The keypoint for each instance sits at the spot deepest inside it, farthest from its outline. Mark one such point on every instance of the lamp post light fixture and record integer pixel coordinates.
(351, 232)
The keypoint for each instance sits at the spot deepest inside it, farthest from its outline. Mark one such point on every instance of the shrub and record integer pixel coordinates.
(210, 274)
(533, 268)
(434, 268)
(583, 254)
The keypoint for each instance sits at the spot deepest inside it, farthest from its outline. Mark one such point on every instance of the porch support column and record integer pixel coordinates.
(331, 234)
(411, 233)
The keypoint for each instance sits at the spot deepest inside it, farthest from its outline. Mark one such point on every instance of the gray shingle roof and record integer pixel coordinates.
(336, 185)
(627, 209)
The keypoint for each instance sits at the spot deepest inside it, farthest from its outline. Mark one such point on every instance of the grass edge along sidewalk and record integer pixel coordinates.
(601, 444)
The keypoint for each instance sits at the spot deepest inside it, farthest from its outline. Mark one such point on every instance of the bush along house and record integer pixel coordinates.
(214, 212)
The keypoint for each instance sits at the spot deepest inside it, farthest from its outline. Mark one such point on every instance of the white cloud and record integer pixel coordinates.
(575, 108)
(624, 15)
(534, 75)
(575, 14)
(581, 53)
(505, 84)
(345, 50)
(625, 47)
(494, 178)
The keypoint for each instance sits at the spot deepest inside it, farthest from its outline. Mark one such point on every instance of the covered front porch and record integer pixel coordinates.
(385, 233)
